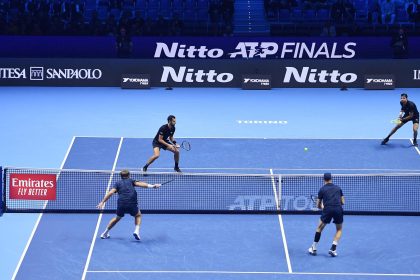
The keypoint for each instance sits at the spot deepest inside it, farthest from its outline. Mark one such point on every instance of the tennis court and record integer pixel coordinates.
(224, 246)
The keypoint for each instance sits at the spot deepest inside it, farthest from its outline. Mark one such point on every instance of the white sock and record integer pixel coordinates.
(335, 243)
(106, 231)
(137, 229)
(314, 245)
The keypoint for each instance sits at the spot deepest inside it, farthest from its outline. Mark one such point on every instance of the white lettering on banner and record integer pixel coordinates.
(246, 80)
(182, 51)
(315, 76)
(258, 49)
(416, 74)
(136, 80)
(190, 75)
(314, 50)
(255, 49)
(29, 183)
(379, 81)
(12, 73)
(78, 74)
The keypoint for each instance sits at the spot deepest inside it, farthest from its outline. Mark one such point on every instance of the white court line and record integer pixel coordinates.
(40, 216)
(417, 148)
(261, 272)
(252, 138)
(98, 223)
(283, 169)
(283, 235)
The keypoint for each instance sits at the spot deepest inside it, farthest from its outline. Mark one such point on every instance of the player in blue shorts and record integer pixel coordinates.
(331, 201)
(127, 202)
(164, 139)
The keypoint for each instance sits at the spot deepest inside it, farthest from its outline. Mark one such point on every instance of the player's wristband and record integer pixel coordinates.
(174, 142)
(150, 186)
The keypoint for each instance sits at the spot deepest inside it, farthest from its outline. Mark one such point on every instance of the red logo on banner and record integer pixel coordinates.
(32, 186)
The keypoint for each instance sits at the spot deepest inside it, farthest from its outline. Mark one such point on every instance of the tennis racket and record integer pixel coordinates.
(314, 199)
(167, 182)
(185, 145)
(396, 121)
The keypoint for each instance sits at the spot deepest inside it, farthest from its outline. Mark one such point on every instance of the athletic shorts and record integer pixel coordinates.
(131, 209)
(414, 120)
(332, 212)
(159, 145)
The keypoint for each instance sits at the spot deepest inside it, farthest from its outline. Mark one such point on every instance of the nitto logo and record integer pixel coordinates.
(36, 73)
(308, 75)
(135, 80)
(254, 49)
(182, 51)
(190, 75)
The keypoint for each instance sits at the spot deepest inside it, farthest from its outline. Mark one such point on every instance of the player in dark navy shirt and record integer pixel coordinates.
(164, 139)
(331, 201)
(127, 202)
(408, 113)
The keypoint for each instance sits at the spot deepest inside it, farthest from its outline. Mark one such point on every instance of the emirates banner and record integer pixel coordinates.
(321, 73)
(33, 186)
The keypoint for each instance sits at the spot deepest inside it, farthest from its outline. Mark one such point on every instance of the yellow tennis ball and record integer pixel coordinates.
(305, 149)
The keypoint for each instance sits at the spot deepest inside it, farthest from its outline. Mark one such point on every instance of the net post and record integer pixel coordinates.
(1, 192)
(280, 191)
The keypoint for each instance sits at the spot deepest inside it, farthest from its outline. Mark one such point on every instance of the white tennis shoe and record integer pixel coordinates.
(105, 235)
(333, 253)
(312, 251)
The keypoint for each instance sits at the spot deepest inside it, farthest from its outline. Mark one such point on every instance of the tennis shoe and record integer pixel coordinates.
(136, 235)
(105, 235)
(312, 251)
(333, 253)
(415, 143)
(384, 141)
(177, 169)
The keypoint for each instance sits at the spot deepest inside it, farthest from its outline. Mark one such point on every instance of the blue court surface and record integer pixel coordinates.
(208, 246)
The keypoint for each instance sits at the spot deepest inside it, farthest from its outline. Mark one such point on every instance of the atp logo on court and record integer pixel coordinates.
(36, 73)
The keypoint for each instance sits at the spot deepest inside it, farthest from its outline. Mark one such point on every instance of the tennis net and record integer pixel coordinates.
(55, 190)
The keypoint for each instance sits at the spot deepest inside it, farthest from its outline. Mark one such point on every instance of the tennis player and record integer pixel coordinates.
(127, 202)
(164, 139)
(408, 113)
(331, 201)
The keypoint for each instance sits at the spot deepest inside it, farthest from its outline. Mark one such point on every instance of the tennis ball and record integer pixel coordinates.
(305, 149)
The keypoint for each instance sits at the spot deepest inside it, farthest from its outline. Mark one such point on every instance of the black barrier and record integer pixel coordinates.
(201, 73)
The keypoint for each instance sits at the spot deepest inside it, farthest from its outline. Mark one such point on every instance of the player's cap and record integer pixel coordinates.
(327, 176)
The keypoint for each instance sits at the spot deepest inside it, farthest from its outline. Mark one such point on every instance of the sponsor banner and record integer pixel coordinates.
(253, 81)
(149, 47)
(199, 73)
(135, 81)
(384, 81)
(32, 186)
